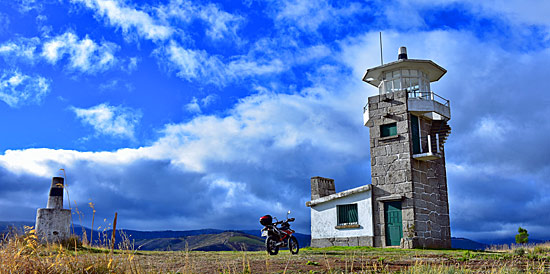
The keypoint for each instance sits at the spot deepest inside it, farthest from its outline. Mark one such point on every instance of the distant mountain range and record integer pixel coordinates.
(202, 239)
(215, 239)
(463, 243)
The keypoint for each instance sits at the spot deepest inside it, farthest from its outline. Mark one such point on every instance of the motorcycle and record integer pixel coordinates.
(278, 237)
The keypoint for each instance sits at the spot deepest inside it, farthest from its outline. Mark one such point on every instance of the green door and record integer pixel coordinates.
(394, 225)
(415, 134)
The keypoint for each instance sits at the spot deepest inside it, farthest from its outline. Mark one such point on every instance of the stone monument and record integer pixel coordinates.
(53, 222)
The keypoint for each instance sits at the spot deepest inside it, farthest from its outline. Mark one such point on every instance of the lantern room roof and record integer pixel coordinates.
(434, 71)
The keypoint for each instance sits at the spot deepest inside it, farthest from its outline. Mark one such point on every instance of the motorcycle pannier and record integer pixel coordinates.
(266, 220)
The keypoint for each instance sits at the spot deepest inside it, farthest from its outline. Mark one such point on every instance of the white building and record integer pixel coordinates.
(342, 219)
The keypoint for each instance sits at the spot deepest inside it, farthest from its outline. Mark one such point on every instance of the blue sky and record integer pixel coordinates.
(196, 114)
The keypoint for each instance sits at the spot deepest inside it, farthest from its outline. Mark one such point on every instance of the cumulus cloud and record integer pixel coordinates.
(85, 55)
(28, 5)
(115, 121)
(209, 99)
(196, 105)
(120, 15)
(216, 171)
(192, 64)
(220, 24)
(193, 106)
(17, 89)
(310, 15)
(20, 49)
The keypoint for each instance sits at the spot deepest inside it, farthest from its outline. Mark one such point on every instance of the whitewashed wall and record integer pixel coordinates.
(324, 217)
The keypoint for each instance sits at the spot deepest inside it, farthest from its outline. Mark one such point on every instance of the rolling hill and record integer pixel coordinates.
(216, 239)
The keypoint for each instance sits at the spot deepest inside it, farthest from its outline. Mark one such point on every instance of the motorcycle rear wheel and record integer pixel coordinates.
(293, 245)
(271, 246)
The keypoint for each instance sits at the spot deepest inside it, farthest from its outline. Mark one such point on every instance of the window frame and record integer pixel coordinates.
(341, 220)
(391, 128)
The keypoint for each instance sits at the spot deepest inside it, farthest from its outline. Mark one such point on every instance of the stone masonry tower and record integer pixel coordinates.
(408, 127)
(53, 222)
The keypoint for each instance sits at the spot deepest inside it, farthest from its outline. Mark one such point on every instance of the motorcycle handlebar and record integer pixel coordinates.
(280, 222)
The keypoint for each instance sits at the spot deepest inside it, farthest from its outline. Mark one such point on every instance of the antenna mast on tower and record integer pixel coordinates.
(381, 58)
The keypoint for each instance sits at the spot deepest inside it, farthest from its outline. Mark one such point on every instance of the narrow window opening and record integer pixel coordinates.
(388, 130)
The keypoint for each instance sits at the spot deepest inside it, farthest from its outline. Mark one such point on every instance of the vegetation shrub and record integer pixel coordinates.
(72, 243)
(519, 251)
(522, 237)
(541, 249)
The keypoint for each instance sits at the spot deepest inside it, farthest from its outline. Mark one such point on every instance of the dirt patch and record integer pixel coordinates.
(330, 261)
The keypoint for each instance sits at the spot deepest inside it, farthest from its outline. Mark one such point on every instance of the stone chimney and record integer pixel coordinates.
(321, 187)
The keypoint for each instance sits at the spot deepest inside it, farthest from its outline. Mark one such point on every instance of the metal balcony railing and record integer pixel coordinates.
(429, 95)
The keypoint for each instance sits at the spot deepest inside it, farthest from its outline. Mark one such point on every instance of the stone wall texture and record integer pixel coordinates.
(342, 241)
(421, 186)
(52, 224)
(431, 201)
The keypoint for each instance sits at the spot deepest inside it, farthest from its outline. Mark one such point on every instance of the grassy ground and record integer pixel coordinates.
(23, 254)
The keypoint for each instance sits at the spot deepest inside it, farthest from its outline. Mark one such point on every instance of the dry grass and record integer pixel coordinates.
(24, 254)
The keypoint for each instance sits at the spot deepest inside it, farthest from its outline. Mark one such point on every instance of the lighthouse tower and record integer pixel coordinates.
(408, 128)
(52, 222)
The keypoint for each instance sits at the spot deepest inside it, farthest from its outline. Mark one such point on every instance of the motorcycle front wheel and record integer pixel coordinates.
(293, 245)
(271, 246)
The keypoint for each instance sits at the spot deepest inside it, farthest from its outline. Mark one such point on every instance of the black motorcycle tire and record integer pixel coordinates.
(271, 246)
(293, 245)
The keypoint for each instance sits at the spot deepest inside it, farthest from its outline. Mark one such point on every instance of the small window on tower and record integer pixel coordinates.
(347, 214)
(388, 130)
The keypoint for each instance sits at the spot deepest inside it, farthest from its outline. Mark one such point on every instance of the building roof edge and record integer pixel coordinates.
(339, 195)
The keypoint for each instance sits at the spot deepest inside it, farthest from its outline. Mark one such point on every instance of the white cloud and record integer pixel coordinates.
(198, 64)
(220, 24)
(191, 64)
(245, 67)
(265, 141)
(493, 129)
(261, 125)
(193, 106)
(116, 121)
(309, 15)
(22, 48)
(85, 55)
(121, 15)
(206, 101)
(132, 64)
(28, 5)
(196, 105)
(17, 89)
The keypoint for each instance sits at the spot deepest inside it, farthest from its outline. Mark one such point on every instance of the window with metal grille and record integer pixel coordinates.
(388, 130)
(347, 214)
